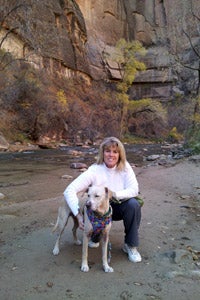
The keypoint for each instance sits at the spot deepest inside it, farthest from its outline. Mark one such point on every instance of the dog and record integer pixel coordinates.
(97, 216)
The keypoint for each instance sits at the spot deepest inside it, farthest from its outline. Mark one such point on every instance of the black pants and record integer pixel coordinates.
(130, 212)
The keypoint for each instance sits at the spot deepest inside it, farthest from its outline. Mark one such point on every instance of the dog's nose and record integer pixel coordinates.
(88, 203)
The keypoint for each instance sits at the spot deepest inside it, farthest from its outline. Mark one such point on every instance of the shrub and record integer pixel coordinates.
(174, 136)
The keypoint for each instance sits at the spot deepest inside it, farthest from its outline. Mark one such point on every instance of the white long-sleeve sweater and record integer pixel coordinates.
(123, 183)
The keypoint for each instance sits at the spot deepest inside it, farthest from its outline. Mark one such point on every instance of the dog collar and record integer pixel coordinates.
(108, 213)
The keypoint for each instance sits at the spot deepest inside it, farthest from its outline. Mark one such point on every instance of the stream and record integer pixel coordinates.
(37, 175)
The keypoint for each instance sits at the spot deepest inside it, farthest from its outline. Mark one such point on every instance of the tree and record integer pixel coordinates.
(190, 32)
(194, 49)
(194, 45)
(126, 56)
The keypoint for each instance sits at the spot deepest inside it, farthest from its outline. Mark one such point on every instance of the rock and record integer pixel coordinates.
(177, 91)
(78, 166)
(180, 152)
(195, 158)
(4, 145)
(153, 157)
(185, 197)
(195, 274)
(180, 255)
(71, 44)
(67, 177)
(82, 170)
(2, 196)
(177, 256)
(75, 152)
(50, 284)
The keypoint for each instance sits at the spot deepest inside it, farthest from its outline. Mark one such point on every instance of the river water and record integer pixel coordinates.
(135, 154)
(38, 174)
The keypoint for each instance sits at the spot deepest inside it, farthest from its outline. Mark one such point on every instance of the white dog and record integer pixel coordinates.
(97, 223)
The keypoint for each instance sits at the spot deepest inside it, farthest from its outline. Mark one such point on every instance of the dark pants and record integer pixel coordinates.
(130, 212)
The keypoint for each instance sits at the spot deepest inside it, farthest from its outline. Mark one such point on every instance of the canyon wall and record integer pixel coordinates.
(68, 37)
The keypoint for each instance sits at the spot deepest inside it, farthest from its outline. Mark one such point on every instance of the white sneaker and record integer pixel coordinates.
(133, 254)
(91, 244)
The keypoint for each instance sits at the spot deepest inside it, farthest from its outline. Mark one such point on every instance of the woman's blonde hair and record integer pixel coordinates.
(106, 144)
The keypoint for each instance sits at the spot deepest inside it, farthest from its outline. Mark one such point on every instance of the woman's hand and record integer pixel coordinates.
(79, 218)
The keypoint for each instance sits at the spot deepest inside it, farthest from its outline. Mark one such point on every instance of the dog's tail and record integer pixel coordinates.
(56, 225)
(62, 219)
(59, 217)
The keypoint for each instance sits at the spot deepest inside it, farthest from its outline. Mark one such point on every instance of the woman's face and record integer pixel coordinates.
(111, 156)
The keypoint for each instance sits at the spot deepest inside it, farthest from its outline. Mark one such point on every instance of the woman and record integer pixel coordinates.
(112, 170)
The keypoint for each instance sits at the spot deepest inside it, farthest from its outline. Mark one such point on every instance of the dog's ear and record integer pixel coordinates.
(86, 191)
(108, 193)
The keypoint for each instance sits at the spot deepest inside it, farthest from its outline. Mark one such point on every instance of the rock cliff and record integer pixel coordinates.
(68, 37)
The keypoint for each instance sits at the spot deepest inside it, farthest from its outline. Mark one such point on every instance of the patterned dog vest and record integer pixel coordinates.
(98, 223)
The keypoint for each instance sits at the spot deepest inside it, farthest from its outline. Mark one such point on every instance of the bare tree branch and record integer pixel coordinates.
(191, 44)
(194, 15)
(6, 35)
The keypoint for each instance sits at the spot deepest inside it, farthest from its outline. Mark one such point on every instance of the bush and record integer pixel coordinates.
(193, 140)
(174, 136)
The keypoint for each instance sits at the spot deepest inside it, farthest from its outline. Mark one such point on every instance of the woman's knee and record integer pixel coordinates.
(133, 211)
(133, 204)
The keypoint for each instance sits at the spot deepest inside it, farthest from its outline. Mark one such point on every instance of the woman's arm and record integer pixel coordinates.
(131, 187)
(79, 184)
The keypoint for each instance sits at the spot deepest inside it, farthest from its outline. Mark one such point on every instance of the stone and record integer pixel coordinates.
(153, 157)
(67, 177)
(4, 145)
(78, 165)
(2, 196)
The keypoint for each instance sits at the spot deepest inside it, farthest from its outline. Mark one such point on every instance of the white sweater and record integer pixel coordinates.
(123, 183)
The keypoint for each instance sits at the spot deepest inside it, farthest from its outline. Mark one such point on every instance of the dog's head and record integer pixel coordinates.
(98, 199)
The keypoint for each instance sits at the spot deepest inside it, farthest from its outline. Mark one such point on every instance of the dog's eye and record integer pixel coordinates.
(96, 196)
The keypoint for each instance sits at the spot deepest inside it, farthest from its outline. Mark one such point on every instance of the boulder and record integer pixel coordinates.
(4, 145)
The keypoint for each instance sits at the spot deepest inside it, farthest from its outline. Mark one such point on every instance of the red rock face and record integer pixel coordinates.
(71, 37)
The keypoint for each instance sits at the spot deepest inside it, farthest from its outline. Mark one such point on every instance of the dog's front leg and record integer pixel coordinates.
(106, 267)
(84, 264)
(86, 235)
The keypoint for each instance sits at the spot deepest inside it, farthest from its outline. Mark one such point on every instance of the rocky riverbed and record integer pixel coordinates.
(169, 233)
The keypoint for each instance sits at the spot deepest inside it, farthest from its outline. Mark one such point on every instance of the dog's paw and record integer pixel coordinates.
(78, 242)
(56, 251)
(84, 268)
(108, 269)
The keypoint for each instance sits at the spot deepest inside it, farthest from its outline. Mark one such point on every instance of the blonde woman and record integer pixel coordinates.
(112, 170)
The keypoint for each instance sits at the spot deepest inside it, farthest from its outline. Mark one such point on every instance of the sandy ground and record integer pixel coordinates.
(169, 241)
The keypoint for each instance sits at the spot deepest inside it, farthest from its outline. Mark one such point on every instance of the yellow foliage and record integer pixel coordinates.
(126, 56)
(174, 135)
(62, 99)
(197, 119)
(123, 98)
(26, 105)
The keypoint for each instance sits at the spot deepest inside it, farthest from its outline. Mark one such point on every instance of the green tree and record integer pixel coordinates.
(127, 57)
